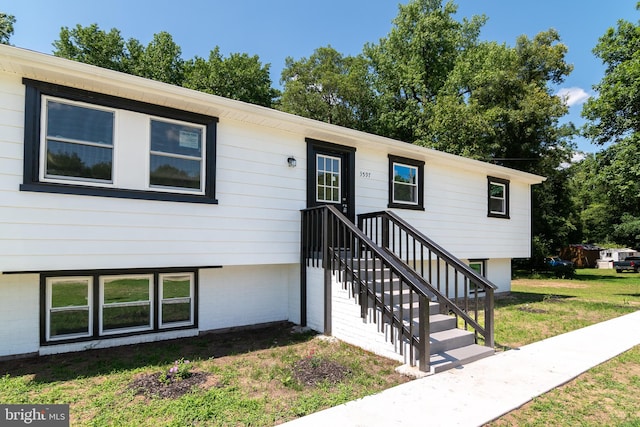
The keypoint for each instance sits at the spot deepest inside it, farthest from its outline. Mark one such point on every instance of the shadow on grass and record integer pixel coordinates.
(90, 363)
(517, 298)
(600, 277)
(546, 275)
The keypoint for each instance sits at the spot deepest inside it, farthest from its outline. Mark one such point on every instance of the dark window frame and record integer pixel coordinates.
(32, 129)
(420, 183)
(483, 263)
(95, 333)
(505, 182)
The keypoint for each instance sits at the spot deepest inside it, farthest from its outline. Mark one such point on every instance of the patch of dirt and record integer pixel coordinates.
(149, 385)
(312, 371)
(553, 298)
(528, 309)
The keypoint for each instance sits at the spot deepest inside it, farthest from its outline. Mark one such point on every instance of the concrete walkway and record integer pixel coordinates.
(483, 391)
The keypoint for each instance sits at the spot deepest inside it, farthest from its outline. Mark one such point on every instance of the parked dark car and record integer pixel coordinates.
(630, 263)
(556, 262)
(560, 267)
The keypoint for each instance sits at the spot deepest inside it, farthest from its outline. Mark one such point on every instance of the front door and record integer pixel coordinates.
(330, 176)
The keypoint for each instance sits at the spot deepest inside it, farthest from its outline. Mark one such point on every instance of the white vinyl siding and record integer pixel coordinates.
(19, 314)
(257, 220)
(456, 208)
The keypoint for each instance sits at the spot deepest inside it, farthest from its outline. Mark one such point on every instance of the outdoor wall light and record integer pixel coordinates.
(292, 161)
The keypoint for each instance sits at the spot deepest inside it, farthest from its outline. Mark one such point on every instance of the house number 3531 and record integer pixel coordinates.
(366, 175)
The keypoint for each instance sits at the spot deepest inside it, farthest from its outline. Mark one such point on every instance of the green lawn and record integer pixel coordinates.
(252, 380)
(541, 307)
(607, 395)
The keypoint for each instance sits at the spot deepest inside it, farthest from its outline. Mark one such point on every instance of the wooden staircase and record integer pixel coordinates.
(434, 309)
(449, 346)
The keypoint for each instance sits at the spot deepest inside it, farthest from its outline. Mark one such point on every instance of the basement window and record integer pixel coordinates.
(80, 306)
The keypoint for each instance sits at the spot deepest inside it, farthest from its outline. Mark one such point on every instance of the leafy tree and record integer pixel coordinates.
(160, 60)
(627, 231)
(595, 217)
(440, 87)
(94, 46)
(616, 111)
(412, 64)
(239, 76)
(608, 187)
(496, 104)
(330, 87)
(6, 27)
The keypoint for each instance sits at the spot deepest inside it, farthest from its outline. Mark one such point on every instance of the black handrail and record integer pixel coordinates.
(410, 246)
(333, 242)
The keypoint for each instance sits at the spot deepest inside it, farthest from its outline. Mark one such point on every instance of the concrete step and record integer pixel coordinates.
(450, 339)
(411, 310)
(367, 274)
(449, 359)
(437, 323)
(440, 322)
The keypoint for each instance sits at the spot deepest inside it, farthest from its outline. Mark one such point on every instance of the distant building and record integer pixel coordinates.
(582, 255)
(608, 256)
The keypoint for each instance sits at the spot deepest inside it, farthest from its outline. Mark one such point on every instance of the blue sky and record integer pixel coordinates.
(275, 29)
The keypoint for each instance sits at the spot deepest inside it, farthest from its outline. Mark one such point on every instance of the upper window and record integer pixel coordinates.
(406, 183)
(498, 198)
(176, 156)
(78, 142)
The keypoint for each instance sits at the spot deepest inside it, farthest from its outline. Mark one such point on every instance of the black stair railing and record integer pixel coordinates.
(457, 287)
(373, 276)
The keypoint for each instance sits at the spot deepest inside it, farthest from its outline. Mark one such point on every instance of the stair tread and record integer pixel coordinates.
(449, 333)
(449, 359)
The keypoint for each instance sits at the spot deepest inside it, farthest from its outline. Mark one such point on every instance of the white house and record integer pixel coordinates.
(132, 210)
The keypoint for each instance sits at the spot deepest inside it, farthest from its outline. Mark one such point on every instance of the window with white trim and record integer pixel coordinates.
(479, 266)
(87, 143)
(406, 183)
(498, 197)
(69, 301)
(328, 179)
(77, 142)
(92, 305)
(176, 296)
(176, 156)
(125, 303)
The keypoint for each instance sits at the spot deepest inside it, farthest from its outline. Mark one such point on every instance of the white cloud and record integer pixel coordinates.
(573, 96)
(578, 156)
